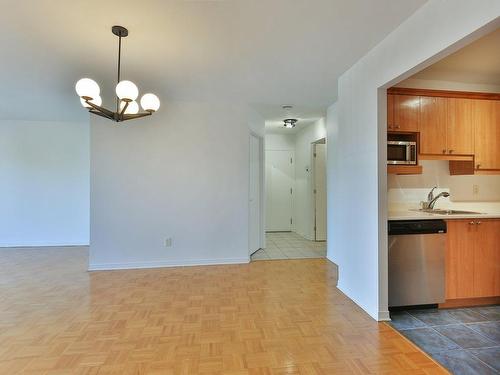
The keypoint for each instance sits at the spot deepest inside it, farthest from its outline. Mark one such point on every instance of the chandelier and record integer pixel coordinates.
(126, 93)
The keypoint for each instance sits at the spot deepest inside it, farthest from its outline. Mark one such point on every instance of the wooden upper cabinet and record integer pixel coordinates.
(460, 259)
(487, 258)
(432, 125)
(486, 118)
(459, 127)
(406, 109)
(390, 112)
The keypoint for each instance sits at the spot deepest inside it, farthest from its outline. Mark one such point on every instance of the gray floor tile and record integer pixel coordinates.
(434, 317)
(490, 356)
(489, 329)
(467, 315)
(429, 340)
(461, 362)
(492, 313)
(464, 336)
(403, 320)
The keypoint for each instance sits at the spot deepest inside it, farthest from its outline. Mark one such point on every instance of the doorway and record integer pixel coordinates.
(319, 189)
(279, 190)
(255, 195)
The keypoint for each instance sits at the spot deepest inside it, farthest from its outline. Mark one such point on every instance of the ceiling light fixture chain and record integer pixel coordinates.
(126, 93)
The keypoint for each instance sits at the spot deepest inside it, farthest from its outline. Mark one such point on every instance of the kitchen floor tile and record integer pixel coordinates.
(434, 317)
(461, 362)
(403, 320)
(467, 315)
(489, 329)
(429, 340)
(490, 356)
(464, 336)
(492, 313)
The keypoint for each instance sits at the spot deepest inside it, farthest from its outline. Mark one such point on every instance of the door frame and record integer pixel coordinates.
(262, 237)
(313, 185)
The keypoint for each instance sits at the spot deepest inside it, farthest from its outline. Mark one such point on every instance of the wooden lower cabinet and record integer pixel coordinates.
(473, 258)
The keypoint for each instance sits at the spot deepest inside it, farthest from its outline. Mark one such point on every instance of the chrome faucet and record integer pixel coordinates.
(431, 200)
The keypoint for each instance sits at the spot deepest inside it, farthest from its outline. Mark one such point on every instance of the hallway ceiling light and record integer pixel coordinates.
(290, 122)
(126, 92)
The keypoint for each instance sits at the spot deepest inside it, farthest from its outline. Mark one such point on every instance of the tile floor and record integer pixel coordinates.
(465, 341)
(289, 245)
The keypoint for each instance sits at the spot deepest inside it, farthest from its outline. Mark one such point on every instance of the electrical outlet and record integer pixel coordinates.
(475, 189)
(168, 242)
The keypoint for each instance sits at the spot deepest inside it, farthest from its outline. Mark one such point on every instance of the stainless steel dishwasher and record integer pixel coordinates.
(416, 262)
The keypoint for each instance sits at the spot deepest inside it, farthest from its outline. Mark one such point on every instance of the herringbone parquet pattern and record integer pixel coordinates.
(264, 318)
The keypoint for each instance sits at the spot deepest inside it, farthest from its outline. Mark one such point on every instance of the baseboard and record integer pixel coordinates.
(383, 316)
(42, 244)
(468, 302)
(162, 263)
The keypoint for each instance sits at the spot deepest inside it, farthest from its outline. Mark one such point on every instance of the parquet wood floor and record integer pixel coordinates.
(263, 318)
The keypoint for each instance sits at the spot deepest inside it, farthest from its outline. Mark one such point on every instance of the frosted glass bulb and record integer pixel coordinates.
(96, 101)
(150, 102)
(87, 87)
(127, 90)
(132, 107)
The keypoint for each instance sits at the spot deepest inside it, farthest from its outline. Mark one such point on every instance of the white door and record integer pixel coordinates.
(320, 191)
(255, 227)
(279, 184)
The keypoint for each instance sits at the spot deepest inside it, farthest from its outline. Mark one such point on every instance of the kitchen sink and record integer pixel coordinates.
(449, 212)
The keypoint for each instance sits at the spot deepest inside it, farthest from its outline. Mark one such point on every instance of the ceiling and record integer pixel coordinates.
(478, 62)
(260, 52)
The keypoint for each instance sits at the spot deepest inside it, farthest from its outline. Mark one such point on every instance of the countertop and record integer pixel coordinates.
(488, 210)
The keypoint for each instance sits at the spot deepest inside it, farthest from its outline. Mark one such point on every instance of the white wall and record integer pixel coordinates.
(44, 189)
(303, 198)
(183, 173)
(437, 173)
(357, 177)
(280, 142)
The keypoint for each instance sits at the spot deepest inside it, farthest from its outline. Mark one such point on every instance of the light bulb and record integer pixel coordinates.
(96, 101)
(87, 87)
(150, 102)
(127, 90)
(132, 107)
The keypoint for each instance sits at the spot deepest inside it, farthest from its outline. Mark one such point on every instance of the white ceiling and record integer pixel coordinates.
(261, 52)
(478, 62)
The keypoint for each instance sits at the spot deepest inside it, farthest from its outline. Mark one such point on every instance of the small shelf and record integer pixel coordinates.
(404, 169)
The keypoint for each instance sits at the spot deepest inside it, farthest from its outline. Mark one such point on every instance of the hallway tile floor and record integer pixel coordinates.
(465, 340)
(289, 245)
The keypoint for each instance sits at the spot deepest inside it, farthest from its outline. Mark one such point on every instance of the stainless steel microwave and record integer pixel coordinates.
(402, 152)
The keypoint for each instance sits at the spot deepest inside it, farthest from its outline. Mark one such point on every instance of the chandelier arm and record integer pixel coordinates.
(100, 109)
(119, 69)
(101, 114)
(136, 115)
(123, 109)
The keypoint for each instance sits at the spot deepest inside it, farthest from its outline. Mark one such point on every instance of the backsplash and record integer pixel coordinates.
(414, 188)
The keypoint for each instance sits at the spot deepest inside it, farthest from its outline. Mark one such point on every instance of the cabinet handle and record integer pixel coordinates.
(478, 222)
(471, 223)
(444, 151)
(397, 126)
(451, 151)
(478, 166)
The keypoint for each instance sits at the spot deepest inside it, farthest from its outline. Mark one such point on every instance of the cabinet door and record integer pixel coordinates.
(406, 109)
(487, 258)
(432, 125)
(460, 259)
(486, 117)
(460, 128)
(390, 112)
